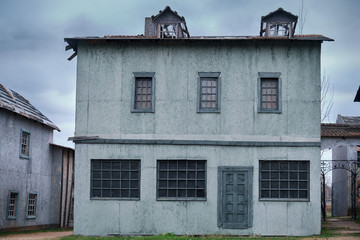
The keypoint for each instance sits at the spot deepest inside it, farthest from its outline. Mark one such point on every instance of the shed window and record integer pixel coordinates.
(12, 205)
(115, 179)
(181, 180)
(25, 144)
(143, 95)
(31, 207)
(209, 92)
(284, 180)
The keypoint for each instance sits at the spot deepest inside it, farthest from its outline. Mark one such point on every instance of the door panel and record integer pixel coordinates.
(235, 185)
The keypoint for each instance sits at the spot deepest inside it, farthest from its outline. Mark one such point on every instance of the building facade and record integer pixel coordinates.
(31, 167)
(197, 135)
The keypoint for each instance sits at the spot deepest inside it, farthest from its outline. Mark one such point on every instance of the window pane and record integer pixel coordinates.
(182, 179)
(285, 176)
(111, 178)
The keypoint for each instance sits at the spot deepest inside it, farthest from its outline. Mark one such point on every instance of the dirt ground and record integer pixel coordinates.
(38, 235)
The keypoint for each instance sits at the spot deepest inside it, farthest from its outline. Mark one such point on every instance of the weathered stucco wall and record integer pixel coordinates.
(25, 176)
(103, 108)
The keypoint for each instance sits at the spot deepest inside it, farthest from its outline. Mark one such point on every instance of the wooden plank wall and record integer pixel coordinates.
(67, 187)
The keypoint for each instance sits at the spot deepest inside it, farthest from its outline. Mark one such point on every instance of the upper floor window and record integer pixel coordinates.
(279, 29)
(143, 92)
(12, 205)
(31, 207)
(209, 92)
(168, 30)
(25, 144)
(269, 85)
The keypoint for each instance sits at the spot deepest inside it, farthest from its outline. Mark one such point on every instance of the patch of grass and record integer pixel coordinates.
(35, 231)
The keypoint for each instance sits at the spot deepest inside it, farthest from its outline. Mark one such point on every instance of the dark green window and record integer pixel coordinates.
(181, 180)
(12, 205)
(115, 179)
(284, 180)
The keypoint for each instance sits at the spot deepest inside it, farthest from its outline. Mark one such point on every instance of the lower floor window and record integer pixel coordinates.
(181, 179)
(12, 205)
(115, 179)
(284, 180)
(31, 207)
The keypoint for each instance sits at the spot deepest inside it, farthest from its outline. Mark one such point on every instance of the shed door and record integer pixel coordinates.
(235, 197)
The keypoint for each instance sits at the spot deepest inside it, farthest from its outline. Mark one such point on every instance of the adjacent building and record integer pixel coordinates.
(34, 188)
(196, 134)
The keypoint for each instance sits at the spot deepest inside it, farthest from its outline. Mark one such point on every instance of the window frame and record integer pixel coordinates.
(16, 205)
(133, 96)
(28, 205)
(218, 92)
(28, 143)
(158, 198)
(129, 178)
(278, 199)
(270, 75)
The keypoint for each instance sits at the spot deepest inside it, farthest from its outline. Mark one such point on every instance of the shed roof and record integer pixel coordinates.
(357, 97)
(279, 14)
(14, 102)
(335, 130)
(167, 10)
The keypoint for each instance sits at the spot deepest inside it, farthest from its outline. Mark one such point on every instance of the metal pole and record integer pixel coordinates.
(323, 202)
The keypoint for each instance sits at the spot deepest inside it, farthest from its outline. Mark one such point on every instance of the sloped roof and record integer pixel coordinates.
(357, 97)
(166, 10)
(340, 130)
(349, 120)
(279, 13)
(14, 102)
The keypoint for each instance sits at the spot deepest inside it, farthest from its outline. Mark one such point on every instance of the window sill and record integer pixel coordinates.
(270, 111)
(114, 199)
(30, 217)
(142, 111)
(24, 157)
(208, 111)
(182, 199)
(284, 200)
(10, 218)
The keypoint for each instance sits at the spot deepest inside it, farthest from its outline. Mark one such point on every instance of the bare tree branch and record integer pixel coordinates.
(302, 17)
(326, 97)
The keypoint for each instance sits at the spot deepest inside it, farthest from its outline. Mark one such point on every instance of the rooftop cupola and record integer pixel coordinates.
(278, 23)
(166, 24)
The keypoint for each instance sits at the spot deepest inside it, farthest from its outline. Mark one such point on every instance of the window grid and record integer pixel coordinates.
(12, 206)
(143, 91)
(115, 179)
(284, 179)
(181, 179)
(208, 93)
(25, 142)
(31, 209)
(269, 94)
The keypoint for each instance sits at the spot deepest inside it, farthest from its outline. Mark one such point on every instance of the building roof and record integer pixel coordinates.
(167, 10)
(357, 97)
(279, 13)
(14, 102)
(349, 120)
(73, 42)
(340, 130)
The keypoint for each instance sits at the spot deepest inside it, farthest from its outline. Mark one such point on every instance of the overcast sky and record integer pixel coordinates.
(33, 60)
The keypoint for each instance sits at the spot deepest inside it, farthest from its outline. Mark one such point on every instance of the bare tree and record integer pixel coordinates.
(327, 95)
(302, 17)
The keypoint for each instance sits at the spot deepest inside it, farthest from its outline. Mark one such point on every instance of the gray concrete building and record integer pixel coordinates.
(198, 135)
(31, 166)
(347, 149)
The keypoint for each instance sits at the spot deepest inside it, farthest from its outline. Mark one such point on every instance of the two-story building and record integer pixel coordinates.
(198, 135)
(36, 175)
